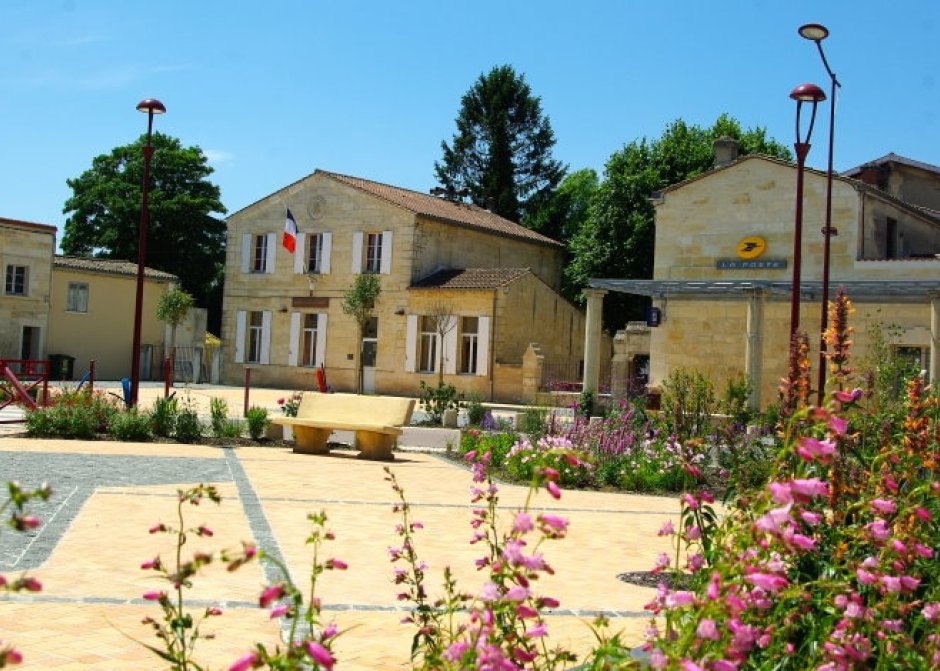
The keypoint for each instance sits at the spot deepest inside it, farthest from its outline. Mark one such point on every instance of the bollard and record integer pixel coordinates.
(247, 387)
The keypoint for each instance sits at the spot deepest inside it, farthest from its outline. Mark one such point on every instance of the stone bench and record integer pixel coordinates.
(376, 421)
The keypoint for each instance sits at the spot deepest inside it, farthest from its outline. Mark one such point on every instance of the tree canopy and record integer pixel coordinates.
(502, 151)
(616, 238)
(183, 237)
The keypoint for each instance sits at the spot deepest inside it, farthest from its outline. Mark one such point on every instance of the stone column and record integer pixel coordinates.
(935, 338)
(592, 338)
(752, 349)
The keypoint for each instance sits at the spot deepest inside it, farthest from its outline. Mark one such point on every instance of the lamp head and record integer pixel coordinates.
(814, 31)
(808, 93)
(151, 106)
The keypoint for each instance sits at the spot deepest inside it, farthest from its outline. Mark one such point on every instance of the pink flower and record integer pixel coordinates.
(154, 595)
(152, 564)
(714, 584)
(553, 489)
(662, 562)
(812, 449)
(706, 629)
(689, 501)
(522, 523)
(537, 631)
(810, 518)
(838, 425)
(657, 659)
(523, 611)
(679, 598)
(279, 611)
(780, 493)
(931, 611)
(666, 529)
(320, 655)
(891, 583)
(767, 581)
(879, 529)
(245, 662)
(270, 595)
(689, 665)
(517, 593)
(802, 542)
(848, 396)
(883, 506)
(329, 632)
(865, 577)
(804, 490)
(336, 564)
(548, 602)
(555, 522)
(11, 656)
(489, 592)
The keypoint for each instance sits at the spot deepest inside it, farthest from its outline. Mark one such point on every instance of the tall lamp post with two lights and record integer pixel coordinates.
(150, 106)
(817, 33)
(804, 93)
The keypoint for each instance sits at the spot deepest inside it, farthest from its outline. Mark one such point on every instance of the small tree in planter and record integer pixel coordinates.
(173, 307)
(359, 303)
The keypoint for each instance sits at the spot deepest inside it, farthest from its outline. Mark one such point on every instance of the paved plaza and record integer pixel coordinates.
(108, 494)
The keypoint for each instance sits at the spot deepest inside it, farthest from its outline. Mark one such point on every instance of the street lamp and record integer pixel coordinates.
(804, 93)
(151, 107)
(817, 33)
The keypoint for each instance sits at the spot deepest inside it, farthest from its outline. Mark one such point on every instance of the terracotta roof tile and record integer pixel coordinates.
(28, 225)
(461, 214)
(110, 267)
(470, 278)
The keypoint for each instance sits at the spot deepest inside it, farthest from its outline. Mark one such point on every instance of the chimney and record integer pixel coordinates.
(726, 150)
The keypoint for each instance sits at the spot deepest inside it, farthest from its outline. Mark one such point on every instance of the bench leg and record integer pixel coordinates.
(311, 440)
(376, 446)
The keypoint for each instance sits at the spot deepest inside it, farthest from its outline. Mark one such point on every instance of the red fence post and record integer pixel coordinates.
(247, 387)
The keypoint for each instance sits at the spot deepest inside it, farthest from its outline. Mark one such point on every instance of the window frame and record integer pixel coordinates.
(469, 346)
(259, 253)
(255, 336)
(76, 300)
(373, 253)
(427, 345)
(12, 281)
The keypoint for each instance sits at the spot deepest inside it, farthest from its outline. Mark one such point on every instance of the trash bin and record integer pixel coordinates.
(61, 367)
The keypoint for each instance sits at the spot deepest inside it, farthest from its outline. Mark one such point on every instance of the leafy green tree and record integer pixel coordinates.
(617, 237)
(183, 237)
(359, 303)
(502, 151)
(172, 308)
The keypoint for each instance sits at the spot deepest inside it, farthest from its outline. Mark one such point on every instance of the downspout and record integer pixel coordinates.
(493, 347)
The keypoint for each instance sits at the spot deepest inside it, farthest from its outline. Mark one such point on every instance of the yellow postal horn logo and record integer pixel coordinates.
(751, 247)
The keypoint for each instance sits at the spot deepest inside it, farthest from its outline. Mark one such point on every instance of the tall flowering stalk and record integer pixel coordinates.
(178, 630)
(794, 389)
(504, 627)
(838, 338)
(309, 643)
(20, 521)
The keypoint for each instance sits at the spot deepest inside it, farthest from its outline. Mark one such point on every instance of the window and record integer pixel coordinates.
(77, 300)
(16, 281)
(468, 345)
(427, 345)
(255, 336)
(259, 256)
(373, 253)
(315, 254)
(308, 348)
(370, 342)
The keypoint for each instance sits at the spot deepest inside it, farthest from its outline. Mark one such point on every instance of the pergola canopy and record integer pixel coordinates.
(914, 291)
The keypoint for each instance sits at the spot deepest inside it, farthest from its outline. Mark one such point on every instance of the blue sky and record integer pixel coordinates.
(273, 90)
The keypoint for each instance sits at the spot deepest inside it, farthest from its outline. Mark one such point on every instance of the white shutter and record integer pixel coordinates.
(240, 320)
(270, 249)
(246, 252)
(327, 249)
(411, 343)
(450, 347)
(300, 257)
(483, 344)
(294, 345)
(386, 267)
(321, 339)
(357, 253)
(266, 337)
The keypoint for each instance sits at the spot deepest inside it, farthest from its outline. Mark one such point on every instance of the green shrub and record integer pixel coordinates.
(585, 406)
(130, 425)
(188, 427)
(688, 402)
(72, 414)
(497, 444)
(218, 410)
(257, 419)
(532, 422)
(435, 400)
(475, 409)
(231, 428)
(163, 416)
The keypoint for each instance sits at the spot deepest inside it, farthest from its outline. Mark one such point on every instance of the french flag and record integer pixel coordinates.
(290, 233)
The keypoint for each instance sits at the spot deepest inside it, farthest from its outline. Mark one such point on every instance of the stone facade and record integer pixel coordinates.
(26, 251)
(282, 311)
(734, 225)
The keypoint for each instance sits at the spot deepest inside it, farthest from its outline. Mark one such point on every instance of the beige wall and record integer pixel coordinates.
(105, 333)
(440, 245)
(913, 185)
(32, 247)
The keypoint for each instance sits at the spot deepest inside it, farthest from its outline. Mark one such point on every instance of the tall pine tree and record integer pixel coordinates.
(502, 151)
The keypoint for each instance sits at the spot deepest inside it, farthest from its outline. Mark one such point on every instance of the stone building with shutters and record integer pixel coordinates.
(464, 292)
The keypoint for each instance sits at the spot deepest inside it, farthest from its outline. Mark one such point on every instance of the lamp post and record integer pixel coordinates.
(151, 107)
(804, 93)
(817, 33)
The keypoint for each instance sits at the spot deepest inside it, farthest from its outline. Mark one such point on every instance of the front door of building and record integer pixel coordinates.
(370, 345)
